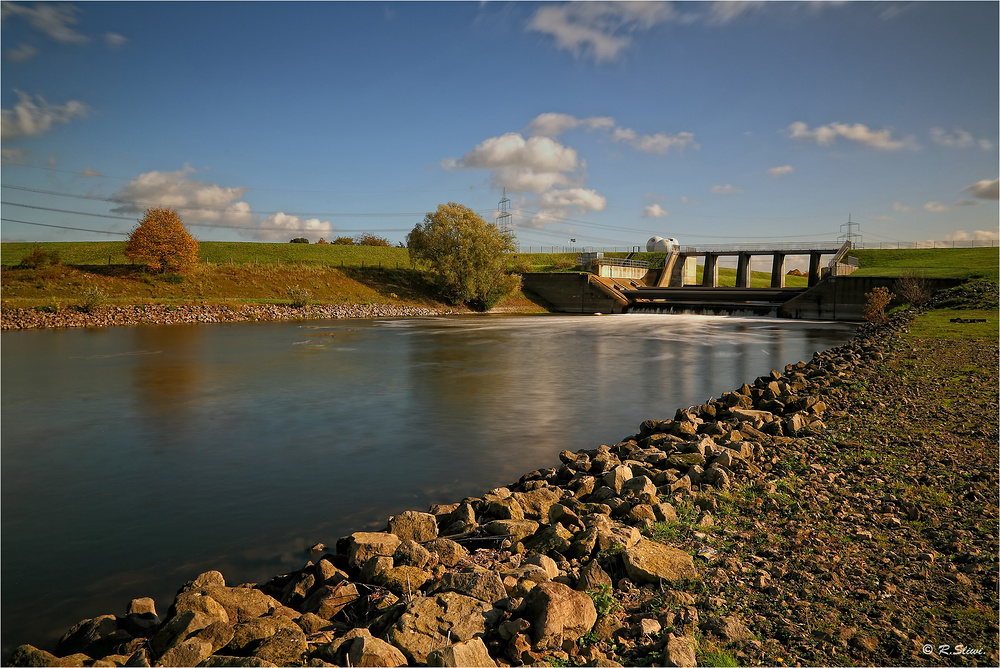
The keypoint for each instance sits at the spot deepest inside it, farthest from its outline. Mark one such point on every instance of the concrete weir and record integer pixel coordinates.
(832, 294)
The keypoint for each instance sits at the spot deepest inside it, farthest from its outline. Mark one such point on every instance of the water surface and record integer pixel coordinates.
(134, 458)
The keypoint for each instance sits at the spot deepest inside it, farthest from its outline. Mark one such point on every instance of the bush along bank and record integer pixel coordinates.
(793, 520)
(163, 314)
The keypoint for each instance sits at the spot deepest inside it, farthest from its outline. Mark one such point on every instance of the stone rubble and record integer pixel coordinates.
(164, 314)
(554, 568)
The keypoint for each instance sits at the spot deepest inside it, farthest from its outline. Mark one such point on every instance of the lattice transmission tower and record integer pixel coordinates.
(852, 233)
(504, 220)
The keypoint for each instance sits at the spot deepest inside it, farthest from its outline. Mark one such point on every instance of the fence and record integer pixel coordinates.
(883, 245)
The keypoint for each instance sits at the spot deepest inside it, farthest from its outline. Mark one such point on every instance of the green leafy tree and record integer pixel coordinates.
(466, 256)
(161, 242)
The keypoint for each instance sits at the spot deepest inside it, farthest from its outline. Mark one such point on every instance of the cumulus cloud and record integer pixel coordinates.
(978, 235)
(600, 30)
(56, 21)
(781, 171)
(204, 203)
(554, 124)
(825, 135)
(655, 211)
(34, 117)
(532, 165)
(725, 190)
(958, 138)
(899, 206)
(935, 207)
(985, 189)
(656, 143)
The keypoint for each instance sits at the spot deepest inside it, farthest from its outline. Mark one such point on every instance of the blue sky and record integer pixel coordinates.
(606, 122)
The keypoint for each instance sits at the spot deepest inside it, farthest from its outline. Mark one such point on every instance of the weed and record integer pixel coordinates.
(604, 600)
(39, 258)
(716, 657)
(53, 306)
(556, 661)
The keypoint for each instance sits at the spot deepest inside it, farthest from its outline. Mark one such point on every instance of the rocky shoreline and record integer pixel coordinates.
(163, 314)
(742, 531)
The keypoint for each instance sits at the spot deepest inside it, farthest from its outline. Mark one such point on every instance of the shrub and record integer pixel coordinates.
(878, 299)
(369, 239)
(39, 258)
(161, 242)
(343, 241)
(93, 298)
(322, 242)
(913, 288)
(299, 240)
(467, 256)
(300, 296)
(604, 600)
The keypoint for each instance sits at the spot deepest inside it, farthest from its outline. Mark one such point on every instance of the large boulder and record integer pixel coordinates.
(188, 653)
(448, 551)
(536, 502)
(363, 545)
(553, 538)
(483, 585)
(680, 652)
(369, 651)
(518, 530)
(413, 525)
(95, 637)
(285, 648)
(177, 629)
(648, 561)
(242, 603)
(558, 614)
(429, 622)
(468, 653)
(327, 601)
(249, 634)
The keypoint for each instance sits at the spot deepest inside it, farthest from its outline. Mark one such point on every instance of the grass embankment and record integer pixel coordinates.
(930, 262)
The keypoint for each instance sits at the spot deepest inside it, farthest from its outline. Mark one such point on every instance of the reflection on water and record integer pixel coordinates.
(142, 456)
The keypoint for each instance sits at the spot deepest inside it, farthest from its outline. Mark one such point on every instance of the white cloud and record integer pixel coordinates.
(655, 211)
(978, 235)
(728, 10)
(90, 172)
(115, 40)
(825, 135)
(600, 30)
(935, 207)
(899, 206)
(521, 165)
(33, 118)
(203, 203)
(554, 124)
(985, 189)
(288, 225)
(15, 156)
(22, 53)
(578, 199)
(54, 20)
(656, 143)
(725, 190)
(781, 171)
(958, 138)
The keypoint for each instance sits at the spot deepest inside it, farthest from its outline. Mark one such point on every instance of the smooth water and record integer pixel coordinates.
(135, 458)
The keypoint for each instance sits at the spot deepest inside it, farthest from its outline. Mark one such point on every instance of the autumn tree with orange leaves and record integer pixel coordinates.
(161, 242)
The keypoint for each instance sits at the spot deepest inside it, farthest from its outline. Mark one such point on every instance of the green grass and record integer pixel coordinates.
(937, 324)
(930, 262)
(222, 252)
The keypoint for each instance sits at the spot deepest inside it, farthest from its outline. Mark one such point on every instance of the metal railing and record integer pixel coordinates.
(617, 262)
(796, 245)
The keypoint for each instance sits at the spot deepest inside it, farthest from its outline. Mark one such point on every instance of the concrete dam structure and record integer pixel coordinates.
(614, 285)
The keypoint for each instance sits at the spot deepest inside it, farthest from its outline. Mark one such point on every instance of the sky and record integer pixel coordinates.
(605, 123)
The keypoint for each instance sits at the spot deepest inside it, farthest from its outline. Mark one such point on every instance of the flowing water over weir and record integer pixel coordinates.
(134, 458)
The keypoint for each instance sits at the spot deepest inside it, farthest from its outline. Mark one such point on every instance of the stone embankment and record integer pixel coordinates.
(623, 554)
(162, 314)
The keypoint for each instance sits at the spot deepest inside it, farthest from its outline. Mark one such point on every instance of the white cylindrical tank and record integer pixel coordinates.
(661, 245)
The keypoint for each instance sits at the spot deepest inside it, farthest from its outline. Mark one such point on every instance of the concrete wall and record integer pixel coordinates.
(570, 293)
(843, 297)
(614, 271)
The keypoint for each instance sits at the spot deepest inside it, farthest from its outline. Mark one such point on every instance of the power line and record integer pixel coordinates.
(62, 227)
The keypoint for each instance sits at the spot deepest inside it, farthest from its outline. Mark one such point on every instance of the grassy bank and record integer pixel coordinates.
(930, 262)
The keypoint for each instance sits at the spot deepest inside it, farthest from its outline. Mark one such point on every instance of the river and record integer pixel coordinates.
(134, 458)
